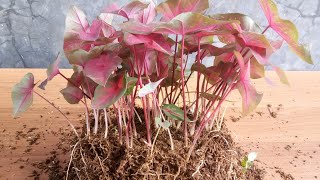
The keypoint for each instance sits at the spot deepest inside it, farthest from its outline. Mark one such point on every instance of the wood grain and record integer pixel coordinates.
(291, 141)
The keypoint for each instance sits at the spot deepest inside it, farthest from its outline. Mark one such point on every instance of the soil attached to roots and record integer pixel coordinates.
(94, 157)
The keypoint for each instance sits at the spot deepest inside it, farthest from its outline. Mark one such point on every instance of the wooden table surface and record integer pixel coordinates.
(290, 141)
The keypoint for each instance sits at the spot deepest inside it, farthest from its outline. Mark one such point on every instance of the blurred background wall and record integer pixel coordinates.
(31, 31)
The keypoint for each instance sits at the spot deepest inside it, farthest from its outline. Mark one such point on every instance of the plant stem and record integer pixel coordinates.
(96, 121)
(183, 96)
(72, 127)
(87, 116)
(173, 67)
(73, 84)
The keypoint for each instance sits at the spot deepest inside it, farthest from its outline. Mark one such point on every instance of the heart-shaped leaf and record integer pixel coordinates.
(53, 69)
(72, 94)
(149, 88)
(165, 124)
(152, 41)
(173, 112)
(99, 69)
(189, 23)
(172, 8)
(286, 29)
(256, 69)
(128, 11)
(250, 97)
(246, 23)
(76, 22)
(113, 91)
(22, 94)
(148, 14)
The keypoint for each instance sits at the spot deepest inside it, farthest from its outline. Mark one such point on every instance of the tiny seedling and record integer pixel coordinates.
(247, 161)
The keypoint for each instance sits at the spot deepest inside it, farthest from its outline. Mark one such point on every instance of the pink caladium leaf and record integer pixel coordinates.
(52, 71)
(76, 22)
(189, 23)
(81, 57)
(99, 69)
(22, 94)
(250, 97)
(136, 27)
(91, 33)
(104, 96)
(281, 74)
(152, 41)
(53, 68)
(149, 88)
(286, 29)
(72, 94)
(246, 23)
(259, 46)
(128, 11)
(148, 14)
(257, 70)
(172, 8)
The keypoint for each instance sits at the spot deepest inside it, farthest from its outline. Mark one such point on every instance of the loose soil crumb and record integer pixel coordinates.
(287, 147)
(284, 175)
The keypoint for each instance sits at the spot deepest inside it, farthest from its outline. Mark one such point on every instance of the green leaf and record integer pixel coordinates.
(173, 112)
(165, 124)
(22, 94)
(131, 83)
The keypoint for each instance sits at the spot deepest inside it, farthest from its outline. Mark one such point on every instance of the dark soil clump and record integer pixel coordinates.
(94, 157)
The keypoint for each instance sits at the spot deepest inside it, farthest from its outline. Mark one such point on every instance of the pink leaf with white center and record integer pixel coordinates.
(22, 94)
(128, 11)
(147, 15)
(91, 33)
(149, 88)
(172, 8)
(136, 27)
(152, 41)
(76, 22)
(113, 91)
(99, 69)
(250, 97)
(286, 29)
(189, 23)
(53, 68)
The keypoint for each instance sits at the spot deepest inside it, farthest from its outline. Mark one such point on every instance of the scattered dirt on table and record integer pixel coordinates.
(287, 147)
(284, 175)
(234, 119)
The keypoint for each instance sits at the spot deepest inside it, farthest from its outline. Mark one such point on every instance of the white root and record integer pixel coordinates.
(96, 120)
(72, 152)
(198, 168)
(87, 122)
(105, 122)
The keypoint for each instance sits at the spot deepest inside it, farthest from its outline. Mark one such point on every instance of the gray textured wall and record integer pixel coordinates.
(31, 31)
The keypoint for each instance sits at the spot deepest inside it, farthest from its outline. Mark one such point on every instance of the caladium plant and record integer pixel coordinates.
(148, 59)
